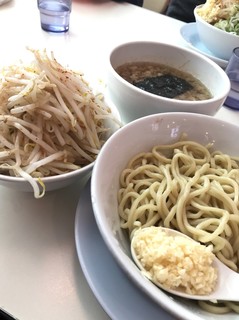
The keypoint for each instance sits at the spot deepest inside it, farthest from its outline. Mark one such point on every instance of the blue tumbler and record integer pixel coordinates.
(55, 14)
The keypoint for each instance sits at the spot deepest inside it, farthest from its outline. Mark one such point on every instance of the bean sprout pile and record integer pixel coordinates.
(51, 122)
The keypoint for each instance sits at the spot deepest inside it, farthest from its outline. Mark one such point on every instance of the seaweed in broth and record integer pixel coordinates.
(167, 85)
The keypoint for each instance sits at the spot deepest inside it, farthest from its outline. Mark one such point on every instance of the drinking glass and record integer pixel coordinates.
(232, 70)
(55, 14)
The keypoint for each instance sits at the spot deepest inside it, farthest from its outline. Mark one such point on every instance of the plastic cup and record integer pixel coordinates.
(232, 70)
(54, 14)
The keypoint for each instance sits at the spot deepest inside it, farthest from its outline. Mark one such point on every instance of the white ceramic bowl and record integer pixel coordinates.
(138, 136)
(62, 180)
(134, 103)
(219, 42)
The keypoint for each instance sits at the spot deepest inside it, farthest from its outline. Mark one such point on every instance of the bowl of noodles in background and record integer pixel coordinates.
(146, 77)
(52, 124)
(218, 26)
(179, 170)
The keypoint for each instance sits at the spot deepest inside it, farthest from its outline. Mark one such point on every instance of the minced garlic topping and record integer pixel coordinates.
(175, 262)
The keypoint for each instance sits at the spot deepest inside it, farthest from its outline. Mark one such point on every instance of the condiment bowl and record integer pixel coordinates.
(219, 42)
(139, 136)
(134, 102)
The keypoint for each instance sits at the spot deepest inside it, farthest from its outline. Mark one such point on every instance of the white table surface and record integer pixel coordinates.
(40, 275)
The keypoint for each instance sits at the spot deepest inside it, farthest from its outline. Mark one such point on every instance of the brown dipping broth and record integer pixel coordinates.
(164, 80)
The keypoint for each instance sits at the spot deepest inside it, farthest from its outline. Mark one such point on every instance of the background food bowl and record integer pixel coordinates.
(219, 42)
(139, 136)
(62, 180)
(134, 103)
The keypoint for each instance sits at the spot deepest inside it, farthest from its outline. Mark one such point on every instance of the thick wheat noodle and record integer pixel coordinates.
(187, 187)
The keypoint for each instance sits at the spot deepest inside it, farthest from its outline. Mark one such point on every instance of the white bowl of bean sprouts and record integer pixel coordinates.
(218, 26)
(179, 170)
(52, 124)
(147, 77)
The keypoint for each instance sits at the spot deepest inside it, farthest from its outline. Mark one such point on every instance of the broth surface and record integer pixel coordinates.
(164, 80)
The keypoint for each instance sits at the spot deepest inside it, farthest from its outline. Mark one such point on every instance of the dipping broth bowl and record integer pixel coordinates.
(133, 102)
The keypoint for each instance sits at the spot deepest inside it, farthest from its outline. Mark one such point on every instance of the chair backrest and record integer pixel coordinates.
(155, 5)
